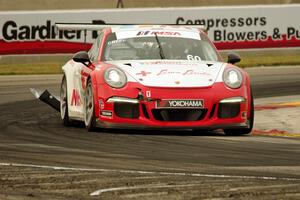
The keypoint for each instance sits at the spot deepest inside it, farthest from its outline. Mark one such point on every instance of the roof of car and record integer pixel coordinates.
(128, 27)
(154, 28)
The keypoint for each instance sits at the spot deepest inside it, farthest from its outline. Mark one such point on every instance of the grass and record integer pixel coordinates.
(268, 58)
(270, 61)
(34, 68)
(249, 59)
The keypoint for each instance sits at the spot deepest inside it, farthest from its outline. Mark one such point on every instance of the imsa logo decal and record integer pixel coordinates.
(180, 104)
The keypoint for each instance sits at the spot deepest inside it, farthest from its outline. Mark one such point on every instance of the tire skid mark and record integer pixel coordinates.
(150, 172)
(101, 191)
(261, 187)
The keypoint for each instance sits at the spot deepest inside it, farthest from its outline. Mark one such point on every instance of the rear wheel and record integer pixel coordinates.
(89, 119)
(244, 131)
(64, 113)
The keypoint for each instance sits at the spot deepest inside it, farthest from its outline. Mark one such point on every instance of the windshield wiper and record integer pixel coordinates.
(161, 52)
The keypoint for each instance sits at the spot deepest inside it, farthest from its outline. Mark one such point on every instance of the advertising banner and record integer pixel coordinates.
(234, 27)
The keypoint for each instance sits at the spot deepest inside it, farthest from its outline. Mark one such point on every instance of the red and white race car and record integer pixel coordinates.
(156, 77)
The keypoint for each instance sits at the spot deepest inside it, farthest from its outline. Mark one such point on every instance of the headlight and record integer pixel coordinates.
(232, 78)
(115, 77)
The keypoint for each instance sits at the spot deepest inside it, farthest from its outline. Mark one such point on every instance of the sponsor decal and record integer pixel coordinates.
(293, 32)
(192, 72)
(75, 99)
(170, 62)
(158, 33)
(231, 27)
(143, 73)
(219, 26)
(12, 31)
(244, 33)
(106, 113)
(185, 73)
(117, 41)
(143, 33)
(161, 27)
(35, 36)
(180, 104)
(84, 76)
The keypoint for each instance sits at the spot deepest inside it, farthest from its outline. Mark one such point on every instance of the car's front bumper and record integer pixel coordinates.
(223, 108)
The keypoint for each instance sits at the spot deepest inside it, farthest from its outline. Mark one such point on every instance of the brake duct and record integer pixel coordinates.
(47, 98)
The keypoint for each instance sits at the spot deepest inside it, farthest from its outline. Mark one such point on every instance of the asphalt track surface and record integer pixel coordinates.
(41, 159)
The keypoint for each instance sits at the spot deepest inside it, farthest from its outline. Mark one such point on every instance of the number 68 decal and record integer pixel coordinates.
(191, 57)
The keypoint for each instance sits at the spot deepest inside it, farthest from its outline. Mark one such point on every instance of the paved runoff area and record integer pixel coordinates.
(277, 116)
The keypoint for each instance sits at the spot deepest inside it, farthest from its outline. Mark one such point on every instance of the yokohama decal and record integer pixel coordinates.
(180, 104)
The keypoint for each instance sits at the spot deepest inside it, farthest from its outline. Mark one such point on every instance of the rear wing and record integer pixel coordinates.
(82, 26)
(98, 27)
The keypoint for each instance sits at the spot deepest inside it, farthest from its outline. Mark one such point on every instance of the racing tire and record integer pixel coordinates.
(64, 112)
(89, 116)
(243, 131)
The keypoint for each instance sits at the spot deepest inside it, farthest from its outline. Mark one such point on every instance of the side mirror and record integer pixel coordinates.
(82, 57)
(233, 58)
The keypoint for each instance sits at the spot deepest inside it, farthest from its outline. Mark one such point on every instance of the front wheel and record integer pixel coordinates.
(89, 119)
(64, 112)
(244, 131)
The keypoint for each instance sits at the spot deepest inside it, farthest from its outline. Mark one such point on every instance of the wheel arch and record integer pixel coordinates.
(249, 91)
(66, 117)
(69, 95)
(93, 78)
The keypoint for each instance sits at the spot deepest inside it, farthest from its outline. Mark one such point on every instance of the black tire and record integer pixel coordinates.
(201, 131)
(244, 131)
(64, 112)
(89, 118)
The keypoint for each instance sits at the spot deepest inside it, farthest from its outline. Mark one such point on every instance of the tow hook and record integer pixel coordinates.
(140, 96)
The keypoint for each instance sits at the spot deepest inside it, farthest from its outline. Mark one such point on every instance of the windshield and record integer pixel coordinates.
(152, 47)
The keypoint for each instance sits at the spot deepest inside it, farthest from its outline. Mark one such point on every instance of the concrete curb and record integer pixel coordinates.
(277, 116)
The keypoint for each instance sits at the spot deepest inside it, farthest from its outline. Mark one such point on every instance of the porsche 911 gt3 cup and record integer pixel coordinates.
(155, 77)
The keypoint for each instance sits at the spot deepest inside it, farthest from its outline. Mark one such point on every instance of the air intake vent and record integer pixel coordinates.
(179, 114)
(127, 110)
(228, 110)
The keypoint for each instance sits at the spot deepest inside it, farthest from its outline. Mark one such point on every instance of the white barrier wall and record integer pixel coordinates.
(239, 27)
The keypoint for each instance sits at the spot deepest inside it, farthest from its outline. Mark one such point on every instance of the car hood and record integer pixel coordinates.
(171, 73)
